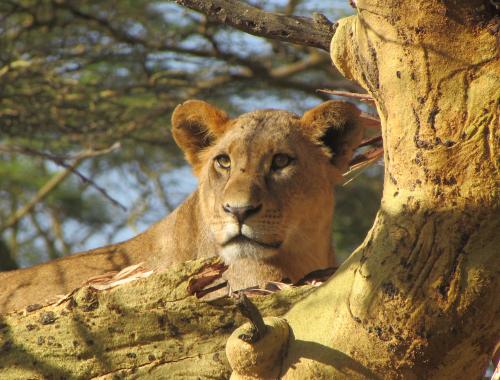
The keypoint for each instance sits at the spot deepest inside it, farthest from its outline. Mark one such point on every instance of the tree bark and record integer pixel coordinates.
(419, 299)
(150, 328)
(315, 32)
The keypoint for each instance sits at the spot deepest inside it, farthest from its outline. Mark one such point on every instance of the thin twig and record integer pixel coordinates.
(41, 194)
(370, 141)
(362, 97)
(60, 161)
(250, 311)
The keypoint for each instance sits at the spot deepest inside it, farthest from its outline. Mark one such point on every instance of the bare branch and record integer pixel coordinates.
(361, 97)
(54, 182)
(310, 61)
(315, 32)
(60, 160)
(123, 36)
(40, 195)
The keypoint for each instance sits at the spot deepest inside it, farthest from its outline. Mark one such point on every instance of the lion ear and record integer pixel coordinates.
(195, 126)
(336, 126)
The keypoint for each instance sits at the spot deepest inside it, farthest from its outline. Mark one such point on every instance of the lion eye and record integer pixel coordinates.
(281, 161)
(223, 161)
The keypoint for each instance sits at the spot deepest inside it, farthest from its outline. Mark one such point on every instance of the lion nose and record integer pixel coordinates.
(243, 212)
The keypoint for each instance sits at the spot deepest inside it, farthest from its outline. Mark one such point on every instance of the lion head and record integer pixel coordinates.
(266, 179)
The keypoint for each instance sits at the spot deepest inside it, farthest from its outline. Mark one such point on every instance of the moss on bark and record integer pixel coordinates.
(150, 328)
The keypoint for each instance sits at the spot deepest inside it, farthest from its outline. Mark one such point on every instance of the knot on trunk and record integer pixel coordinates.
(260, 359)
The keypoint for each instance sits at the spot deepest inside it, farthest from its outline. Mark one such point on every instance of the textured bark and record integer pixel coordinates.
(315, 32)
(150, 328)
(419, 299)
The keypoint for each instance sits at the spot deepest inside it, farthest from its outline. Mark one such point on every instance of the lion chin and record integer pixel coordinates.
(242, 243)
(247, 249)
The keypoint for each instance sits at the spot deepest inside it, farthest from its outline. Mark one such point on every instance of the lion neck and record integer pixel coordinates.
(181, 236)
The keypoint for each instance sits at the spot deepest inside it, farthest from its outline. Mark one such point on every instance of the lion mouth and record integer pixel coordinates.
(242, 239)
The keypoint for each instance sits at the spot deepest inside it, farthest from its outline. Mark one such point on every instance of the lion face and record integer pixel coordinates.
(258, 184)
(266, 178)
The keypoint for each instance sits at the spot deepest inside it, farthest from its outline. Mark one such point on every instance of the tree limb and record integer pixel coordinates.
(315, 32)
(153, 327)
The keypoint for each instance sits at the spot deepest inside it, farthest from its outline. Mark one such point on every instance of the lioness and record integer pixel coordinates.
(264, 202)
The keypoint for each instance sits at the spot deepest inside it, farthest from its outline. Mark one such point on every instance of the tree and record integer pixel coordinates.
(418, 299)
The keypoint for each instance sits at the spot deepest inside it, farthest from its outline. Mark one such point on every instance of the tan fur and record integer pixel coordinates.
(288, 232)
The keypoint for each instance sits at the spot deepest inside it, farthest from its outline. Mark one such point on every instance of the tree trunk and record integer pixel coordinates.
(419, 299)
(150, 328)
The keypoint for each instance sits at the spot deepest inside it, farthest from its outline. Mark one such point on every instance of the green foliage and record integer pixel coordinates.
(20, 180)
(83, 75)
(20, 175)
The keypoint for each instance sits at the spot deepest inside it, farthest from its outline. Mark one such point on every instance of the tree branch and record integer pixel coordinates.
(41, 194)
(53, 183)
(316, 32)
(133, 329)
